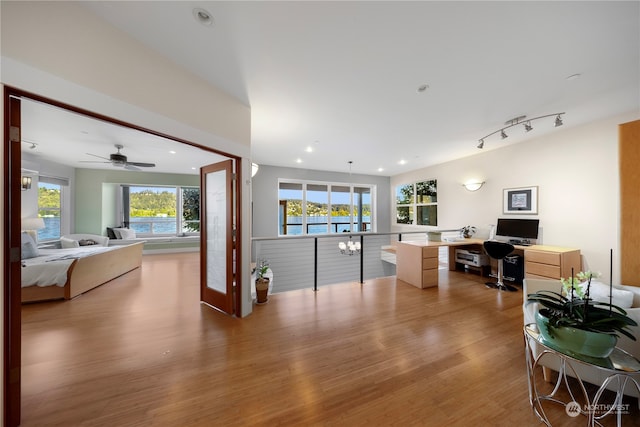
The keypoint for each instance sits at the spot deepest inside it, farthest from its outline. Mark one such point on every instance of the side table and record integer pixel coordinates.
(620, 367)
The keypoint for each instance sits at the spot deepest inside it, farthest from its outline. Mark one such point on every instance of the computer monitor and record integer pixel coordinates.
(518, 228)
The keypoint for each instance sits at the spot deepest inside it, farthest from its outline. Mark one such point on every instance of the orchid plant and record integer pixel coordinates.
(576, 309)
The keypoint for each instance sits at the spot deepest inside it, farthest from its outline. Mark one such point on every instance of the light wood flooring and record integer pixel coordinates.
(142, 351)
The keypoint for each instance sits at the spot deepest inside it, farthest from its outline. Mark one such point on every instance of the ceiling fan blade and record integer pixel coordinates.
(91, 161)
(142, 165)
(131, 168)
(100, 157)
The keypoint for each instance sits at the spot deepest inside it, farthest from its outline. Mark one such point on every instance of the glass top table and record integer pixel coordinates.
(618, 361)
(619, 369)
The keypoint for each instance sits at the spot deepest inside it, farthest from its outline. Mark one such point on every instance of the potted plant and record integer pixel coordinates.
(262, 282)
(467, 231)
(573, 321)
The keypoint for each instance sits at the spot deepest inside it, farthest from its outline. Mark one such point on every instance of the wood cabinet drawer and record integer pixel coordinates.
(430, 263)
(429, 252)
(429, 278)
(542, 257)
(538, 269)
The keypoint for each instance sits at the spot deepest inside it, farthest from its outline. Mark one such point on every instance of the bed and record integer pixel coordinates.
(68, 272)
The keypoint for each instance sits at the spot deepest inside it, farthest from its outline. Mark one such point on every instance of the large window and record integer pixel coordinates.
(417, 203)
(320, 208)
(49, 209)
(161, 210)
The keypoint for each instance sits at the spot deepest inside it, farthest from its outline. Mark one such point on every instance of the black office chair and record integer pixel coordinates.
(498, 250)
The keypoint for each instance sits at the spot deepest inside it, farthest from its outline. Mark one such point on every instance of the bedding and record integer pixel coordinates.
(67, 273)
(50, 267)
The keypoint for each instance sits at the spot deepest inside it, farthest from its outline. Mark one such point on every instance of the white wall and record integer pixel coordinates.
(576, 171)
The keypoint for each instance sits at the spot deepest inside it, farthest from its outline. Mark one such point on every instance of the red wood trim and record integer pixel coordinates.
(12, 289)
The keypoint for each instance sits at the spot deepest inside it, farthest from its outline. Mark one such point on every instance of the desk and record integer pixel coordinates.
(621, 367)
(417, 261)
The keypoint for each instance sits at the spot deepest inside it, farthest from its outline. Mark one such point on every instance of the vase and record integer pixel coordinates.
(262, 290)
(576, 341)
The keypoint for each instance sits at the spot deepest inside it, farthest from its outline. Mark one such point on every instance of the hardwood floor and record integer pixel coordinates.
(141, 350)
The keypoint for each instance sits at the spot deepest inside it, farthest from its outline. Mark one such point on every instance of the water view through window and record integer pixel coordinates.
(314, 208)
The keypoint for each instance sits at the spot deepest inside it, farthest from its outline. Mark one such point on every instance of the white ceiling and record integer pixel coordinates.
(342, 77)
(72, 139)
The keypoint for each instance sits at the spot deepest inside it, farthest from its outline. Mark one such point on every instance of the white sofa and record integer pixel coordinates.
(591, 375)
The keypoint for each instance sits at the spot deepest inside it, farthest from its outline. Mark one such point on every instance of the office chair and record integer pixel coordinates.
(498, 250)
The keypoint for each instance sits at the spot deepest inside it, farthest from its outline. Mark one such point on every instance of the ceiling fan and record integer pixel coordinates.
(119, 159)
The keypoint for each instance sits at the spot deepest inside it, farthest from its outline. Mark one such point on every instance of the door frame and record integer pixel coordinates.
(12, 339)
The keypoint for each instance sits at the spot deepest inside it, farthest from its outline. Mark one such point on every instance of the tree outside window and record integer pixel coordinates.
(49, 209)
(417, 203)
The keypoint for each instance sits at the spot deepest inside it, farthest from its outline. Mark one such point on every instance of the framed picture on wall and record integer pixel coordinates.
(522, 200)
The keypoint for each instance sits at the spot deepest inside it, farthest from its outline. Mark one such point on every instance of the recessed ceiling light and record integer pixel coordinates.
(402, 162)
(423, 88)
(172, 152)
(193, 168)
(203, 16)
(298, 160)
(309, 149)
(380, 169)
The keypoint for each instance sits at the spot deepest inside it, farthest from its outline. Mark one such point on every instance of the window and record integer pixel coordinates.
(161, 210)
(49, 208)
(417, 203)
(321, 208)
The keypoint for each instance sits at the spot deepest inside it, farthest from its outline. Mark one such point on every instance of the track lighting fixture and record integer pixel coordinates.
(517, 121)
(558, 120)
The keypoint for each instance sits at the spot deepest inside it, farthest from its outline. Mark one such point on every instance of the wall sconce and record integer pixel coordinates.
(25, 183)
(350, 247)
(473, 185)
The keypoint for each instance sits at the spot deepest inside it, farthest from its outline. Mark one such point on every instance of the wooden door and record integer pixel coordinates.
(629, 152)
(217, 235)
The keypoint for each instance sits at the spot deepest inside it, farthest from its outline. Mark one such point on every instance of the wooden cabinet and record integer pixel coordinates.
(417, 264)
(551, 262)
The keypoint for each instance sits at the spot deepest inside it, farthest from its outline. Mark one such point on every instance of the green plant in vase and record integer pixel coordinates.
(564, 316)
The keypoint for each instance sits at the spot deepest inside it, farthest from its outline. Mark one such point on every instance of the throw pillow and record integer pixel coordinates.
(29, 248)
(87, 242)
(66, 243)
(110, 233)
(126, 233)
(118, 232)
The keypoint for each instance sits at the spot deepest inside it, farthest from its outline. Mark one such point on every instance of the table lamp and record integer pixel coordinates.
(31, 225)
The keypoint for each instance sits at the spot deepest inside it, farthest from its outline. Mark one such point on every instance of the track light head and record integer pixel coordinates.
(503, 135)
(558, 120)
(481, 144)
(527, 126)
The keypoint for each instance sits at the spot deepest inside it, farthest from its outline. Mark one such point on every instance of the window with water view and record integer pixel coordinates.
(320, 208)
(49, 209)
(161, 210)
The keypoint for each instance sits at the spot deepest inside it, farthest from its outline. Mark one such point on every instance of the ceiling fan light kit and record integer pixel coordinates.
(120, 160)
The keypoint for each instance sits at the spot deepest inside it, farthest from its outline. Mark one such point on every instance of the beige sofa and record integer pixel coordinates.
(591, 375)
